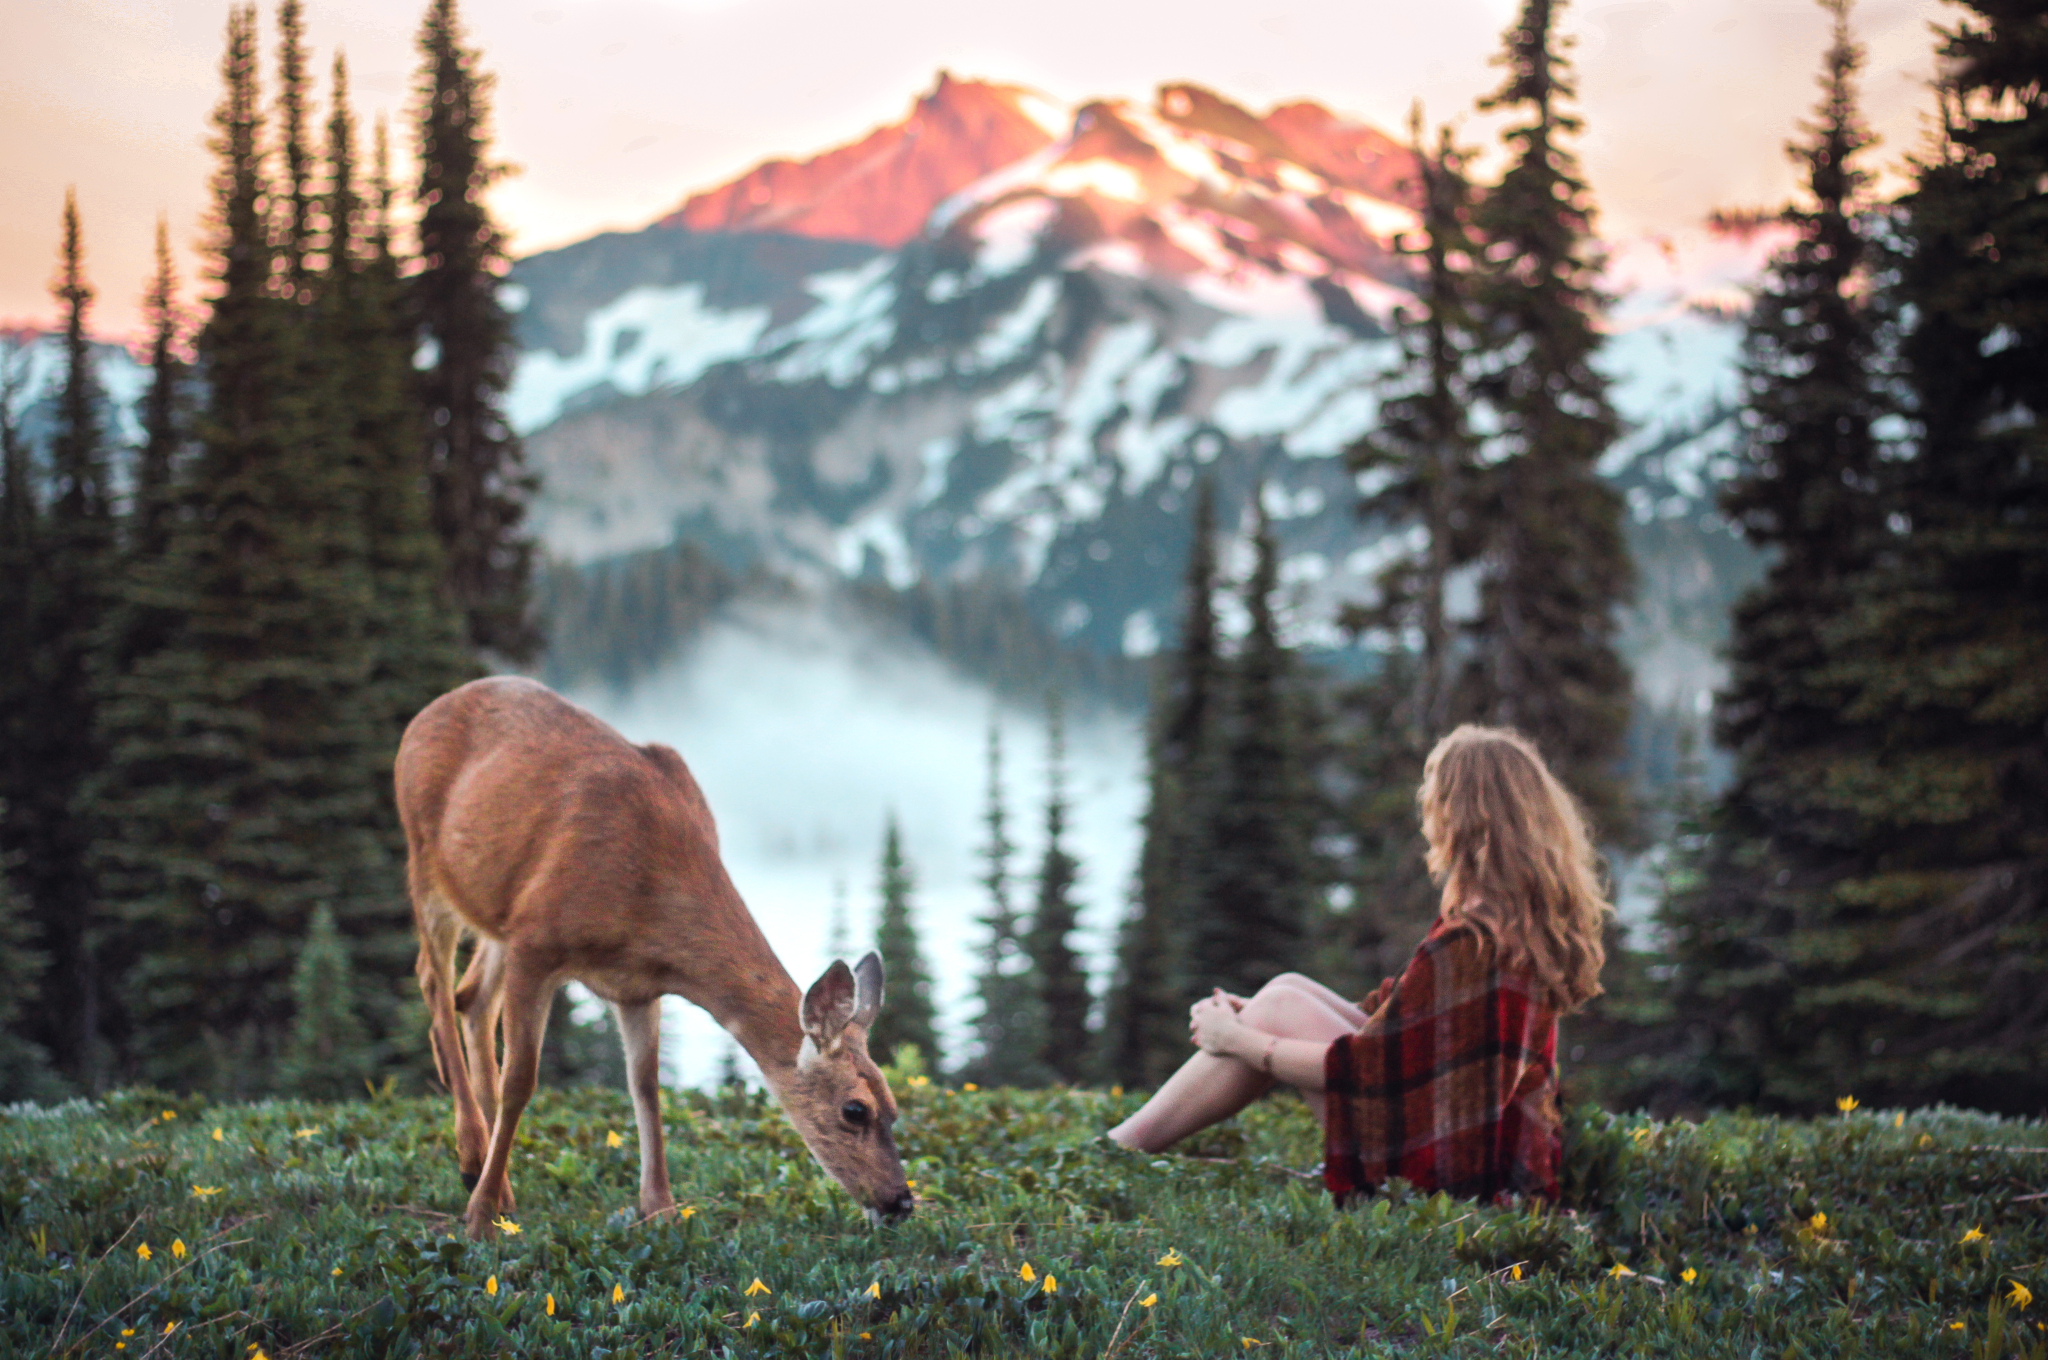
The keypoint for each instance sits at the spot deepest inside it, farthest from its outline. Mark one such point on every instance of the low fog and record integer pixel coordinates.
(806, 731)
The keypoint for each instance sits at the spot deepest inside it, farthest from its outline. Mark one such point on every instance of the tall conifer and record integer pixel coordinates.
(1555, 563)
(1258, 888)
(1805, 492)
(24, 1064)
(294, 227)
(1009, 1031)
(474, 462)
(907, 1014)
(1055, 967)
(1145, 1027)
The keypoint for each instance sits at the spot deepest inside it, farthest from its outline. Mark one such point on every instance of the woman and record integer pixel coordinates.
(1447, 1075)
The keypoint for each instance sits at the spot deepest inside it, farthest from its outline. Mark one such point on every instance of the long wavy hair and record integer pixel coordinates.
(1510, 847)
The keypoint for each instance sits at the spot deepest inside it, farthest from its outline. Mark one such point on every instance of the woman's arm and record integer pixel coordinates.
(1219, 1030)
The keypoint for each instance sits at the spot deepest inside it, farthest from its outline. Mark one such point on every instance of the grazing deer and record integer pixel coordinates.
(572, 853)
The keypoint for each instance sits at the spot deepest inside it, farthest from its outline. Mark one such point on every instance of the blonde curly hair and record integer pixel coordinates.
(1510, 847)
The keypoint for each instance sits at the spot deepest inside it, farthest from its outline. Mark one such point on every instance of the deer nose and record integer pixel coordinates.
(900, 1206)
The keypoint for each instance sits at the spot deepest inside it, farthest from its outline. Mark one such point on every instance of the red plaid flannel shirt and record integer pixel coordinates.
(1451, 1084)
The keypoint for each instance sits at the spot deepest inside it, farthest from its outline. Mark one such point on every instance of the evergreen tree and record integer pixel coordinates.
(1009, 1031)
(1259, 880)
(1914, 844)
(20, 585)
(68, 581)
(1805, 492)
(240, 791)
(294, 229)
(1555, 565)
(1145, 1029)
(163, 410)
(329, 1057)
(1055, 967)
(475, 465)
(907, 1014)
(24, 1064)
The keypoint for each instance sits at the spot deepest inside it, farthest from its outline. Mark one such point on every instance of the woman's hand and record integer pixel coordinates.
(1214, 1027)
(1378, 996)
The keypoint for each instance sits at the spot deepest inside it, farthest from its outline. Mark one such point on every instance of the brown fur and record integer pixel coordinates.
(568, 852)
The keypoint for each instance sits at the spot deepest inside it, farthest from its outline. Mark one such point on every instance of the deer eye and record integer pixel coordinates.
(855, 1111)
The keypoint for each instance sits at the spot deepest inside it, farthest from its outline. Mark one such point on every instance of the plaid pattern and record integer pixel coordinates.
(1451, 1084)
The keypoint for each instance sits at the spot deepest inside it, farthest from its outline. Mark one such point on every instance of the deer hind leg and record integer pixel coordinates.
(477, 1001)
(440, 930)
(640, 1032)
(526, 994)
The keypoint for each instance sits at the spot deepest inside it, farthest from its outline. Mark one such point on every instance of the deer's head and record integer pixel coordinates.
(837, 1097)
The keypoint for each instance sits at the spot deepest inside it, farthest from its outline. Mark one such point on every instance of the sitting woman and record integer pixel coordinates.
(1447, 1075)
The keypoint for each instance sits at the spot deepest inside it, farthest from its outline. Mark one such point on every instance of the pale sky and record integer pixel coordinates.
(615, 110)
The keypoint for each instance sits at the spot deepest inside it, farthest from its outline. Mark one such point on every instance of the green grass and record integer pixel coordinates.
(329, 1235)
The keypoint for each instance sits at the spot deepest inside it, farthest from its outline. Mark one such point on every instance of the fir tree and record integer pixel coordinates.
(1917, 874)
(474, 462)
(907, 1013)
(68, 582)
(241, 789)
(163, 410)
(20, 586)
(24, 1064)
(1555, 563)
(1806, 493)
(1009, 1031)
(1056, 969)
(1256, 916)
(294, 230)
(329, 1056)
(1145, 1029)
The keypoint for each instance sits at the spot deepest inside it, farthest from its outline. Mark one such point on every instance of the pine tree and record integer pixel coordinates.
(907, 1014)
(329, 1057)
(240, 793)
(1805, 492)
(1055, 967)
(163, 410)
(20, 588)
(1258, 889)
(1555, 565)
(24, 1064)
(68, 582)
(294, 230)
(474, 462)
(1009, 1031)
(1917, 880)
(1145, 1029)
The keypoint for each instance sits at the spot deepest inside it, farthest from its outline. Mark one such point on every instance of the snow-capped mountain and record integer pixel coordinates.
(1028, 383)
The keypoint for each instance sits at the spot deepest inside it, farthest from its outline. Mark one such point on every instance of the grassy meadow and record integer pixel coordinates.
(147, 1226)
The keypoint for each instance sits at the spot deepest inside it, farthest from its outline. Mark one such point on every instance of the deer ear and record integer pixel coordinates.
(868, 973)
(828, 1006)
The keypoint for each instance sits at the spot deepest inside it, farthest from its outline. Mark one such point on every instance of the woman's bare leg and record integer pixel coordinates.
(1208, 1089)
(1342, 1005)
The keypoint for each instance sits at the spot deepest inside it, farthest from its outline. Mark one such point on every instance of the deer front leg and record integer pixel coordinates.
(436, 974)
(525, 996)
(640, 1032)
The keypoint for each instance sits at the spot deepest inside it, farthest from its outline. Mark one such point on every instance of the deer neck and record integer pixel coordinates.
(758, 1005)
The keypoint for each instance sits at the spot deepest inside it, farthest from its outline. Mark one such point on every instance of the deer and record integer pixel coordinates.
(567, 852)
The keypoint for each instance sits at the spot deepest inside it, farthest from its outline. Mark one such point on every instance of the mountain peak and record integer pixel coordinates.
(882, 188)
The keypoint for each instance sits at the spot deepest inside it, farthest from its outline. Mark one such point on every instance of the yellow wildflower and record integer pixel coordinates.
(216, 1135)
(551, 1305)
(1955, 1326)
(1845, 1103)
(910, 1184)
(335, 1271)
(1148, 1300)
(506, 1225)
(143, 1251)
(1170, 1260)
(202, 1191)
(920, 1081)
(177, 1248)
(1973, 1235)
(1026, 1273)
(688, 1211)
(258, 1353)
(170, 1326)
(874, 1291)
(1619, 1271)
(753, 1318)
(970, 1086)
(1899, 1120)
(2021, 1296)
(1819, 1222)
(1251, 1341)
(612, 1139)
(491, 1286)
(757, 1288)
(170, 1114)
(1926, 1141)
(1689, 1275)
(1515, 1271)
(867, 1336)
(1117, 1092)
(307, 1132)
(1052, 1285)
(127, 1331)
(618, 1293)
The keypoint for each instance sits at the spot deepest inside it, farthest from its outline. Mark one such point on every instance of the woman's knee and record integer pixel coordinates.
(1294, 982)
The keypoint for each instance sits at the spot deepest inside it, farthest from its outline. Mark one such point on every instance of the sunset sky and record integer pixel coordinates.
(615, 109)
